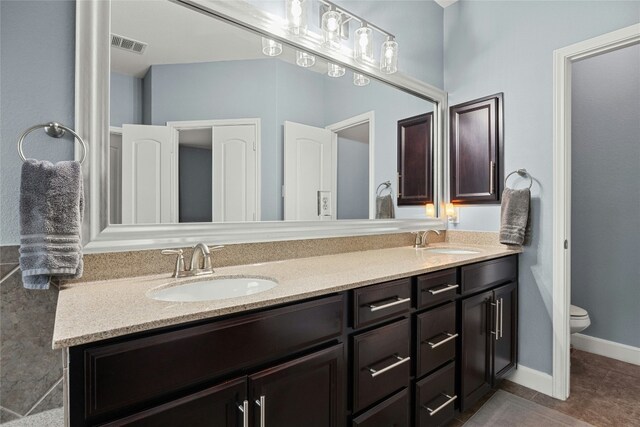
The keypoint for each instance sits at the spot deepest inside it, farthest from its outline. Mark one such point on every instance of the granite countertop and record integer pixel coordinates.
(93, 311)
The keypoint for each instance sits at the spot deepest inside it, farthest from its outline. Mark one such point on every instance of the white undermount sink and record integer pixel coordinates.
(451, 251)
(212, 289)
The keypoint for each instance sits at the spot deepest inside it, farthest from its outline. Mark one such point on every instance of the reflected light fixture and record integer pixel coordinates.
(363, 46)
(271, 47)
(331, 23)
(305, 59)
(452, 213)
(335, 70)
(389, 56)
(297, 16)
(430, 210)
(360, 79)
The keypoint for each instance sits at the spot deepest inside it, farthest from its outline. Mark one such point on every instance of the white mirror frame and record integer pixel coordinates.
(92, 123)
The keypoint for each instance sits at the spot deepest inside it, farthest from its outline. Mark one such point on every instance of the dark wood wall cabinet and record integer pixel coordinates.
(476, 150)
(410, 352)
(415, 160)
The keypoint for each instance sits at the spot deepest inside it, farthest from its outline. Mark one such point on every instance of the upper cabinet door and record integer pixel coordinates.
(476, 151)
(415, 160)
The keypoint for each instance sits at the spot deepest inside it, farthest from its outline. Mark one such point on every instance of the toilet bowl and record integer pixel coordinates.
(579, 319)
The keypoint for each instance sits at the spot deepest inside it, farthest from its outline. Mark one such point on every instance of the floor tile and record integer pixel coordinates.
(6, 416)
(517, 389)
(469, 413)
(595, 360)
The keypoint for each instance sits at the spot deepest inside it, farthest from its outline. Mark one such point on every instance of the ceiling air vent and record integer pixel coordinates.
(127, 44)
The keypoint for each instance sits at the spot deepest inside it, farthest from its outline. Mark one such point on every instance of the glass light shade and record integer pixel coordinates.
(331, 23)
(389, 57)
(334, 70)
(450, 209)
(360, 79)
(305, 59)
(363, 45)
(271, 47)
(297, 16)
(430, 210)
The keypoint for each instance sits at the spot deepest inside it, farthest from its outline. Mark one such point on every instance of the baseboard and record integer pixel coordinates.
(614, 350)
(535, 380)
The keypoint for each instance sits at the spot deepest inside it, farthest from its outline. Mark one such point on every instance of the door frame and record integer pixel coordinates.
(368, 117)
(562, 64)
(210, 124)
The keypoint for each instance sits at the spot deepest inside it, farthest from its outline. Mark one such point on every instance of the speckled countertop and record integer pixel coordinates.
(93, 311)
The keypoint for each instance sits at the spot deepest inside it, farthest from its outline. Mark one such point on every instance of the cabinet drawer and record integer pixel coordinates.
(392, 412)
(437, 334)
(486, 274)
(435, 397)
(126, 373)
(437, 287)
(379, 302)
(381, 363)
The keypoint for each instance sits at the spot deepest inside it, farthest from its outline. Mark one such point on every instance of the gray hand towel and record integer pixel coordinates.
(384, 207)
(514, 216)
(51, 211)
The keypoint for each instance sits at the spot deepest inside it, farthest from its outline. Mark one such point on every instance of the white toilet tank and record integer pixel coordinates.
(579, 319)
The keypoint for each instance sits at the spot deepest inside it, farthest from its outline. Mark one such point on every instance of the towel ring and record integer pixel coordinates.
(523, 173)
(55, 130)
(386, 185)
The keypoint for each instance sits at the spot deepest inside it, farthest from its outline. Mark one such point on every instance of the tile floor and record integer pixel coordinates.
(604, 392)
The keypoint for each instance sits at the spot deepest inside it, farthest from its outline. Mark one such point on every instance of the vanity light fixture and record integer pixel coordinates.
(360, 79)
(363, 44)
(297, 16)
(452, 212)
(271, 47)
(331, 25)
(430, 210)
(335, 70)
(389, 56)
(305, 59)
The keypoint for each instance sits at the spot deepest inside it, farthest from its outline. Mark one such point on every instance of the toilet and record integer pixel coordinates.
(579, 319)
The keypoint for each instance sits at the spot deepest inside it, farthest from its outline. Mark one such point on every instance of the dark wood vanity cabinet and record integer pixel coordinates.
(415, 160)
(476, 147)
(409, 352)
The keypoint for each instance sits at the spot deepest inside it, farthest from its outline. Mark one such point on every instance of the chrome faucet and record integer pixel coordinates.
(201, 262)
(421, 238)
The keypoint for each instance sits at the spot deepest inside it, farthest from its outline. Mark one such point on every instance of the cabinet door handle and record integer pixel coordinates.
(396, 301)
(492, 178)
(439, 343)
(501, 318)
(261, 404)
(401, 360)
(432, 412)
(497, 319)
(449, 287)
(244, 408)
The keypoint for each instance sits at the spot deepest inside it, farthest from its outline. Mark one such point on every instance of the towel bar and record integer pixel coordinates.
(55, 130)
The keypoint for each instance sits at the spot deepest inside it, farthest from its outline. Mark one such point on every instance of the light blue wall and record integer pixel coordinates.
(125, 100)
(605, 157)
(353, 179)
(37, 86)
(147, 82)
(507, 46)
(195, 183)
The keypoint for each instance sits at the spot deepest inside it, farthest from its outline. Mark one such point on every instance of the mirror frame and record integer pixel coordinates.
(92, 71)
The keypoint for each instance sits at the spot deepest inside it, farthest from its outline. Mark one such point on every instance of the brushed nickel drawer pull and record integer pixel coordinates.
(396, 301)
(401, 360)
(244, 408)
(432, 412)
(497, 308)
(261, 404)
(439, 343)
(449, 287)
(501, 318)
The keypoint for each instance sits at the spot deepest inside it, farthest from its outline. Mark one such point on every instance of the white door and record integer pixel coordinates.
(147, 173)
(115, 176)
(309, 173)
(235, 173)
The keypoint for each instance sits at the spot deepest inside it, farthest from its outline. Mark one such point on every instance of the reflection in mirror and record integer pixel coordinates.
(211, 122)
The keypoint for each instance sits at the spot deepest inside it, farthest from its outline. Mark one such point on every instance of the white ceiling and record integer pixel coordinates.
(445, 3)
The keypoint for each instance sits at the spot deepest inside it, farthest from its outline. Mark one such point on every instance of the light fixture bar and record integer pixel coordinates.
(355, 17)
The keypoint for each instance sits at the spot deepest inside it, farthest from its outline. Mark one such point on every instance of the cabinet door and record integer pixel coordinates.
(475, 374)
(505, 342)
(307, 391)
(217, 406)
(476, 151)
(415, 160)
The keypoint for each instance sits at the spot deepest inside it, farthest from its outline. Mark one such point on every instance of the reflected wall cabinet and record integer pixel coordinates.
(476, 151)
(415, 160)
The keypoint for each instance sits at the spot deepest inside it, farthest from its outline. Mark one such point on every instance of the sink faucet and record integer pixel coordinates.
(200, 260)
(421, 238)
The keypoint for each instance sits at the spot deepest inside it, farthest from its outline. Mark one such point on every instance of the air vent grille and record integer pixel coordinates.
(128, 44)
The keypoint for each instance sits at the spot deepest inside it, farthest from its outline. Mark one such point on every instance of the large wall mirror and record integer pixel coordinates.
(218, 129)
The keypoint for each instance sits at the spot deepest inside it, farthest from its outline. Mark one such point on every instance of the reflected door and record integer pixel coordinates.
(310, 171)
(147, 174)
(235, 173)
